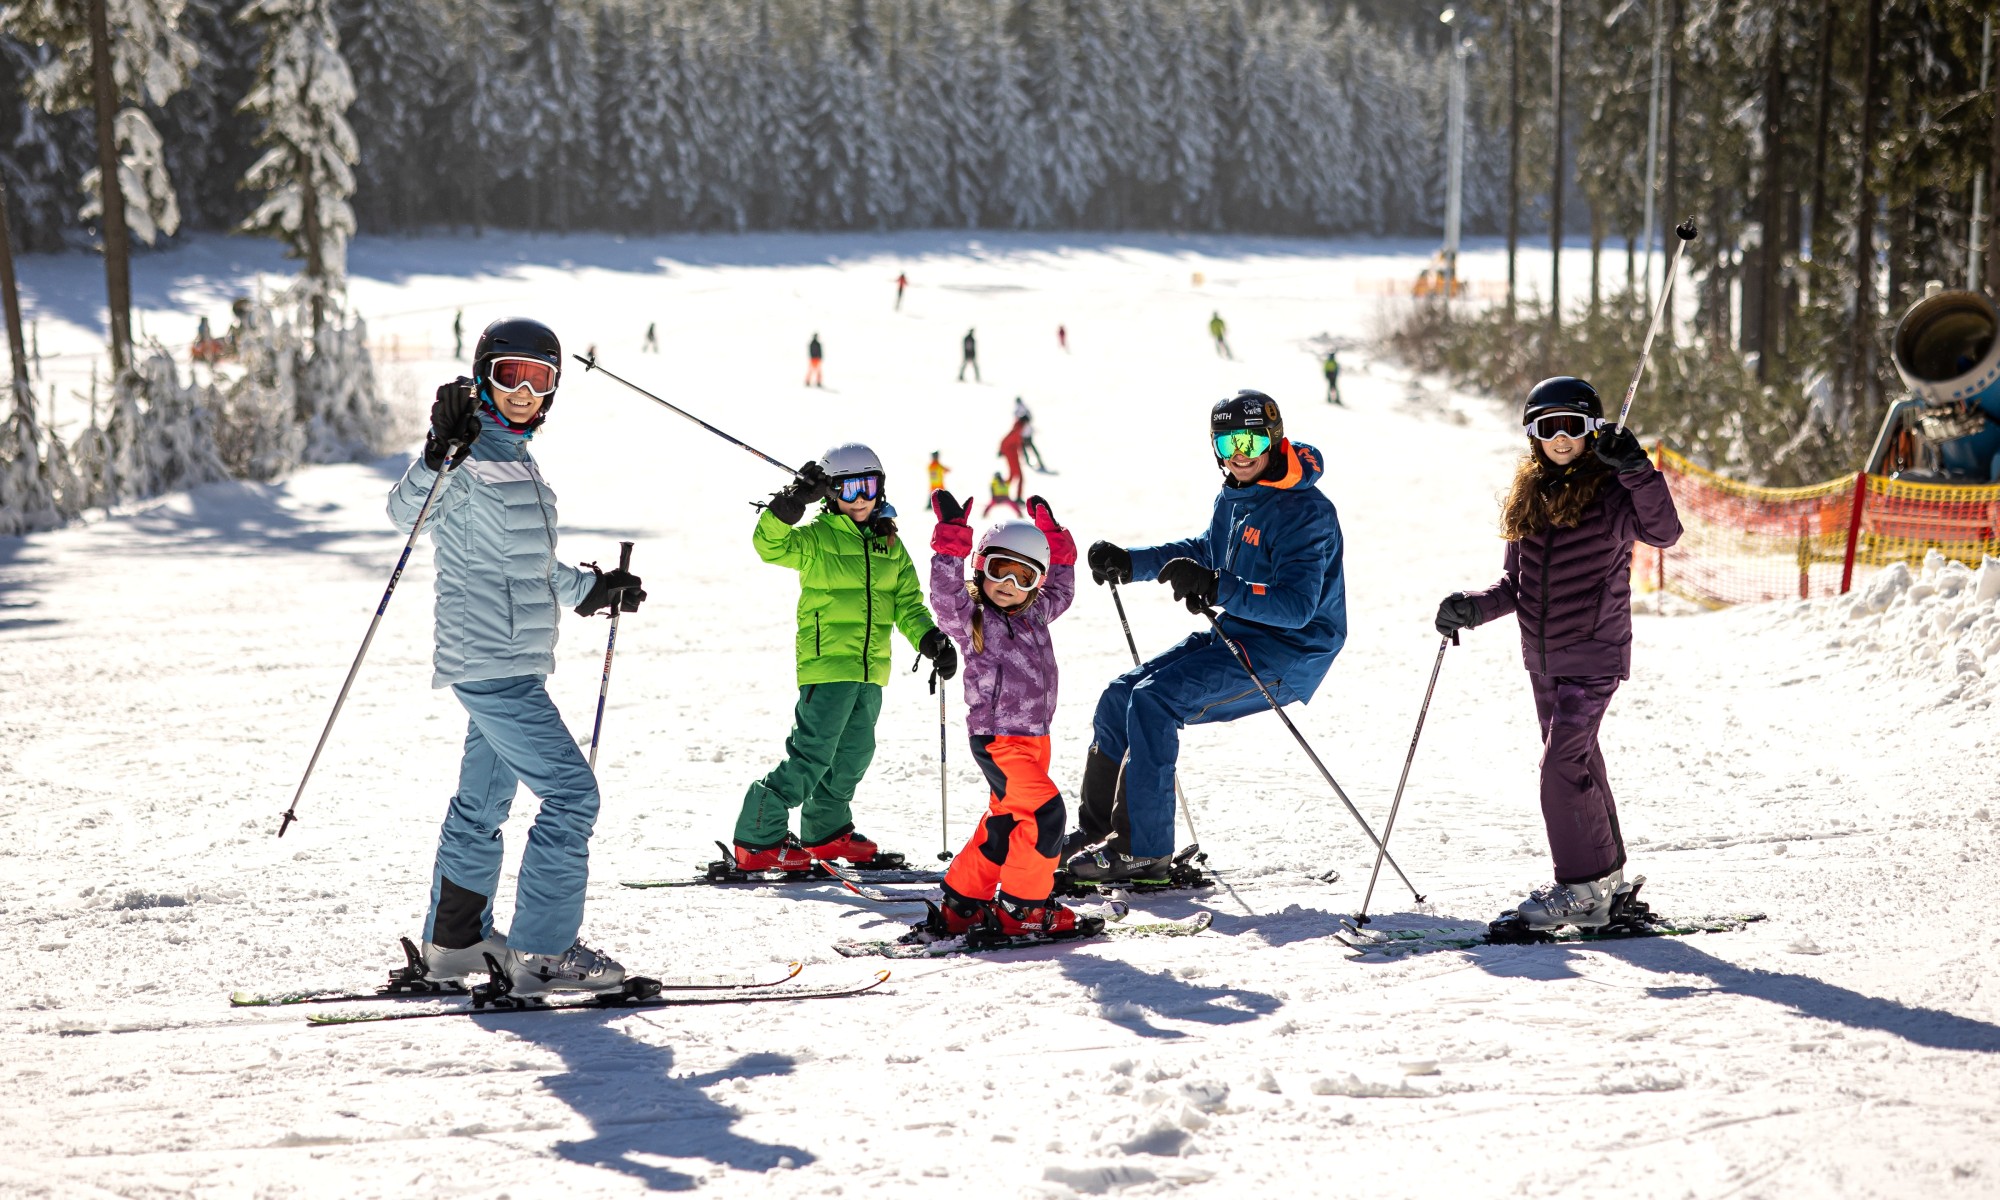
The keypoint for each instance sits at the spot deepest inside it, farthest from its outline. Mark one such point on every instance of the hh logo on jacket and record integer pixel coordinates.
(1252, 537)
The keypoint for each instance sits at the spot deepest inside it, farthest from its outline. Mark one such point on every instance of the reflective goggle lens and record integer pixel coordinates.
(532, 373)
(1554, 425)
(1241, 443)
(1025, 576)
(860, 487)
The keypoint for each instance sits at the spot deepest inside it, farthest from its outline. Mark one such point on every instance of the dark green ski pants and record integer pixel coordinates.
(831, 744)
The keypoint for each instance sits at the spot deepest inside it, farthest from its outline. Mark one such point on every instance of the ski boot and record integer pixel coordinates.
(1587, 905)
(953, 916)
(1108, 865)
(577, 969)
(443, 965)
(857, 850)
(787, 855)
(1009, 919)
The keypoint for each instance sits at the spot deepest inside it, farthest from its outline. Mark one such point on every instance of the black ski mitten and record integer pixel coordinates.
(1109, 563)
(789, 503)
(454, 418)
(1191, 582)
(943, 655)
(1455, 612)
(1619, 448)
(608, 582)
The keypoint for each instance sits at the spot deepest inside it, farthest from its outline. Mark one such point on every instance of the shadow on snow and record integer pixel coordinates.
(1126, 994)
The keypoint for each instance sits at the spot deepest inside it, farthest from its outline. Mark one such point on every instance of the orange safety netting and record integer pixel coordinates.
(1744, 544)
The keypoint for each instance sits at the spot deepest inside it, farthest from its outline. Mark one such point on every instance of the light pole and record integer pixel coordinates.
(1454, 195)
(1653, 142)
(1978, 177)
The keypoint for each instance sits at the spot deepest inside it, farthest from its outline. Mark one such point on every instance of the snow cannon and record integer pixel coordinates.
(1947, 351)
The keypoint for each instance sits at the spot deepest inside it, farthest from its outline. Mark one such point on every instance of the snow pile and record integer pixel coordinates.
(1939, 624)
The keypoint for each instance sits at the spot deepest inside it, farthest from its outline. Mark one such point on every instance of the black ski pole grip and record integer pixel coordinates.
(624, 556)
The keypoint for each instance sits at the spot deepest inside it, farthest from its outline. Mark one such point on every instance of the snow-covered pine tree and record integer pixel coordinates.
(772, 94)
(1015, 196)
(1071, 159)
(828, 112)
(306, 174)
(473, 138)
(920, 95)
(395, 55)
(1191, 127)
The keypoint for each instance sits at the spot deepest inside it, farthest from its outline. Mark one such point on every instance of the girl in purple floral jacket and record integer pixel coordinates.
(1024, 576)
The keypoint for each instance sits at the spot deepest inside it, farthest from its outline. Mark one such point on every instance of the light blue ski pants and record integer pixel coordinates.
(515, 737)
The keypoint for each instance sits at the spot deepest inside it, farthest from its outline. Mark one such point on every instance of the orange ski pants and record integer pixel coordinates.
(1014, 848)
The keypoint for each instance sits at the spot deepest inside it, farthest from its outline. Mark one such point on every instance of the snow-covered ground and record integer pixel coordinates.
(163, 674)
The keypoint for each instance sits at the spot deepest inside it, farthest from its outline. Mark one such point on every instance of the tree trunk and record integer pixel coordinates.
(1556, 173)
(1514, 145)
(1596, 255)
(1863, 332)
(1771, 251)
(117, 243)
(1822, 246)
(17, 346)
(1993, 198)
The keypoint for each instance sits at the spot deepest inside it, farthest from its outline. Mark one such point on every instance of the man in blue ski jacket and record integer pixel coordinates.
(1271, 558)
(499, 588)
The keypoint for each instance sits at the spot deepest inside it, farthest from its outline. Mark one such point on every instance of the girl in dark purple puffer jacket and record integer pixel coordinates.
(1583, 494)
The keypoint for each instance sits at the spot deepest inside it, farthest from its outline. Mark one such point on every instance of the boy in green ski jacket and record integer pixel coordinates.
(855, 581)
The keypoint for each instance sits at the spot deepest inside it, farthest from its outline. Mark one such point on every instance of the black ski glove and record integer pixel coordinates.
(1109, 563)
(1191, 582)
(789, 503)
(1455, 612)
(607, 582)
(943, 655)
(1620, 449)
(454, 418)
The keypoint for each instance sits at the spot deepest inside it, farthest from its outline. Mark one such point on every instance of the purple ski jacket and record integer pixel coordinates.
(1010, 687)
(1572, 588)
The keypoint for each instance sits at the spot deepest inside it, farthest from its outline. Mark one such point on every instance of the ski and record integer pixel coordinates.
(638, 994)
(1395, 943)
(1183, 873)
(883, 868)
(716, 983)
(854, 882)
(1187, 927)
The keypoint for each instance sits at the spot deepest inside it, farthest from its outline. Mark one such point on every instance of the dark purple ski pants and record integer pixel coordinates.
(1577, 807)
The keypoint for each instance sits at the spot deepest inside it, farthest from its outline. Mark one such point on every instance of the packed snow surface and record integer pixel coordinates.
(166, 671)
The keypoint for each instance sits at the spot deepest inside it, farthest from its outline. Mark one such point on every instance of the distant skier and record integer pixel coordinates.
(458, 334)
(652, 341)
(856, 581)
(999, 491)
(1583, 494)
(937, 472)
(813, 354)
(1272, 558)
(902, 281)
(499, 586)
(971, 359)
(1029, 453)
(1062, 338)
(1218, 330)
(1023, 578)
(1010, 449)
(1332, 368)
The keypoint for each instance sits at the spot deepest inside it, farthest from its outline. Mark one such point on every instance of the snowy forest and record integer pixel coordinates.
(567, 114)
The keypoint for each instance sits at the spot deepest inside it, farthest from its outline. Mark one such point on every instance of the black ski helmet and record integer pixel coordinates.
(1247, 410)
(519, 337)
(1563, 393)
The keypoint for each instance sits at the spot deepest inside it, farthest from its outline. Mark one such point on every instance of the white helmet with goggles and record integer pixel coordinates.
(1018, 543)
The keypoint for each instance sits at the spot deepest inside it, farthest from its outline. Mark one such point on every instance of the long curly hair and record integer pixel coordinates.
(980, 603)
(1544, 495)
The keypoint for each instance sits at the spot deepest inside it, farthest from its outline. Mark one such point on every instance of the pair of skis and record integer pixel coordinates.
(1630, 917)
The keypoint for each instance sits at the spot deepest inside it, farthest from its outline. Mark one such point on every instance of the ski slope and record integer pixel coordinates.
(165, 671)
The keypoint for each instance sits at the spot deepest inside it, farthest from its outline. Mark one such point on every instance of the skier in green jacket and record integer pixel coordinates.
(855, 582)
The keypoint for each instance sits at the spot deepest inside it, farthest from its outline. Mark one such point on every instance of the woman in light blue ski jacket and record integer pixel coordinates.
(499, 588)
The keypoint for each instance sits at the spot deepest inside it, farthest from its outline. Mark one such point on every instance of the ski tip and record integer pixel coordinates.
(246, 1000)
(881, 977)
(343, 1018)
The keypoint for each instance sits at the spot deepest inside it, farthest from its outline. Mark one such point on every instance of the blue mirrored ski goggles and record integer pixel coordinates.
(858, 487)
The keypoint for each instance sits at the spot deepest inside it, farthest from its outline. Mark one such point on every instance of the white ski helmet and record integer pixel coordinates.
(850, 458)
(1018, 540)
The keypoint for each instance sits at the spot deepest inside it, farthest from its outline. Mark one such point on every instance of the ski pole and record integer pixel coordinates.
(1685, 231)
(1361, 918)
(944, 804)
(590, 364)
(1243, 660)
(610, 644)
(1187, 810)
(291, 813)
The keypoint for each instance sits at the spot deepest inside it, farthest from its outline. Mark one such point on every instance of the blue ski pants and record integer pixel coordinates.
(516, 736)
(1142, 712)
